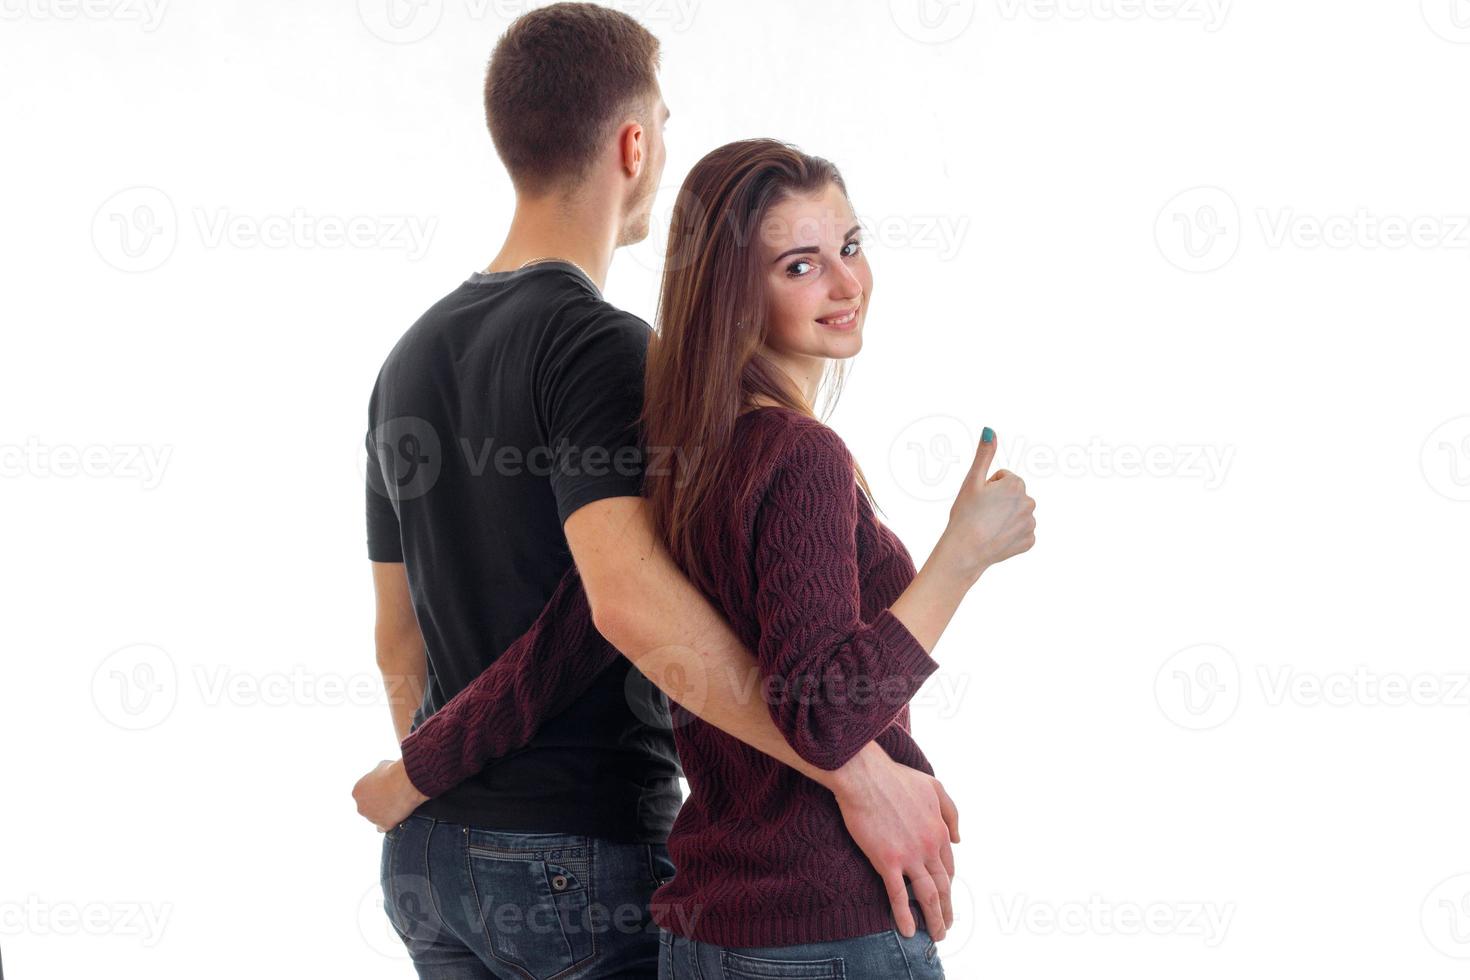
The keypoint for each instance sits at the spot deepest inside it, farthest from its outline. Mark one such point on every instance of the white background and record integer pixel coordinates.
(1201, 264)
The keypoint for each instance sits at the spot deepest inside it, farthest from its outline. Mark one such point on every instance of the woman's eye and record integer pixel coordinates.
(855, 245)
(791, 269)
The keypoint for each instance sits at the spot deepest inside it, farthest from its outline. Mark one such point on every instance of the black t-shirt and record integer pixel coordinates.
(511, 403)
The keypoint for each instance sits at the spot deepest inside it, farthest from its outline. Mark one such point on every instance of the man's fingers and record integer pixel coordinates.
(926, 893)
(950, 812)
(946, 857)
(946, 903)
(898, 897)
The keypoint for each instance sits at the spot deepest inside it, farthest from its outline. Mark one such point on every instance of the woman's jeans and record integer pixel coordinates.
(879, 956)
(474, 904)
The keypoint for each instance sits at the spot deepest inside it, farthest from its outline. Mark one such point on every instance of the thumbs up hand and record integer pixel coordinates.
(991, 518)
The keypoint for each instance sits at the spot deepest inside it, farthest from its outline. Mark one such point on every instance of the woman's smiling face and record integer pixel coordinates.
(817, 283)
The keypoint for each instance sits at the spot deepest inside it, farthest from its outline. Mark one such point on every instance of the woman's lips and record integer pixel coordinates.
(840, 321)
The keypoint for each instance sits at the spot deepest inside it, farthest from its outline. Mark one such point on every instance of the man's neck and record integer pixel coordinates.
(556, 228)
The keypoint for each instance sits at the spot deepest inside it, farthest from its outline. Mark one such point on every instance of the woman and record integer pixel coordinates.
(765, 290)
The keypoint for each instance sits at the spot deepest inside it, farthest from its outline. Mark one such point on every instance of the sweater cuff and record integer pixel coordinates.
(911, 662)
(906, 666)
(421, 763)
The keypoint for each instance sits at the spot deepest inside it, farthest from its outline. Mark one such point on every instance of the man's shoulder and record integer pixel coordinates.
(574, 303)
(596, 319)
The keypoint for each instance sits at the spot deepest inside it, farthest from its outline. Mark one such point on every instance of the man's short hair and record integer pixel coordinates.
(560, 80)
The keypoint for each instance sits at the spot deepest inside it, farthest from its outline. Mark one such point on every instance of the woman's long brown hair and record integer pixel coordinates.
(708, 363)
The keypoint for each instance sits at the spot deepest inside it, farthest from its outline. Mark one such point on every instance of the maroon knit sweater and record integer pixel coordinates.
(805, 575)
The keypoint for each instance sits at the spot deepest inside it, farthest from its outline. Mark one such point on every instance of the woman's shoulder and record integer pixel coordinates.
(781, 439)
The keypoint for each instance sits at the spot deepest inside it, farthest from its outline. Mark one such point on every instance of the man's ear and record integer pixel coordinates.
(633, 147)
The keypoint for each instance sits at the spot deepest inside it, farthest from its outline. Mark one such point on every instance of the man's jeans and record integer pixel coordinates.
(474, 904)
(880, 956)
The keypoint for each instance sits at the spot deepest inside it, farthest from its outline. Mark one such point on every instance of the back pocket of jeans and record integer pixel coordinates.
(534, 906)
(738, 966)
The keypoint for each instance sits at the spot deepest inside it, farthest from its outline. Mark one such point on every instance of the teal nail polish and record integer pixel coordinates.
(988, 436)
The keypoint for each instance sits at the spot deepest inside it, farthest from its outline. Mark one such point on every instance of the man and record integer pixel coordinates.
(503, 429)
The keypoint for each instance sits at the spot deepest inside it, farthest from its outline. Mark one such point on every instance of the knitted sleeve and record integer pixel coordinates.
(535, 679)
(835, 682)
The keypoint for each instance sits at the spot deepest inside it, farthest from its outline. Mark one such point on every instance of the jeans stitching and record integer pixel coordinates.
(390, 893)
(429, 883)
(898, 941)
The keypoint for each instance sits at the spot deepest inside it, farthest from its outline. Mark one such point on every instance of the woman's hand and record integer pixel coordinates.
(991, 518)
(385, 796)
